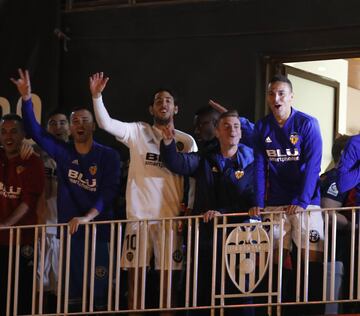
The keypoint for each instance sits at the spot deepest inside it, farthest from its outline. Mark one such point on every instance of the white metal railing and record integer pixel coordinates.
(241, 258)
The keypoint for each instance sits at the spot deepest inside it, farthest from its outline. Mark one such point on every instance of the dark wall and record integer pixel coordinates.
(213, 50)
(28, 41)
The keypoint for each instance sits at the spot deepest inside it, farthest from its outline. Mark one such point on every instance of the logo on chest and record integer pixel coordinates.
(283, 155)
(79, 179)
(10, 192)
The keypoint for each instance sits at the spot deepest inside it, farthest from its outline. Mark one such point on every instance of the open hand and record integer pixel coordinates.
(97, 83)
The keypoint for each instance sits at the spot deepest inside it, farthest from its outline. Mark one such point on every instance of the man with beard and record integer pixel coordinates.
(152, 191)
(88, 181)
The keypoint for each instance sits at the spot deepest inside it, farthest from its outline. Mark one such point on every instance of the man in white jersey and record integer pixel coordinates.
(152, 191)
(58, 126)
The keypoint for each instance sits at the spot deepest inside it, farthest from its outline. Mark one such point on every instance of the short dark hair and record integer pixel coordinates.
(281, 78)
(229, 113)
(338, 146)
(206, 110)
(168, 90)
(13, 117)
(56, 112)
(80, 108)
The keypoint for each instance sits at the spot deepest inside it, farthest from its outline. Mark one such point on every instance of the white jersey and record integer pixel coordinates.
(152, 191)
(47, 206)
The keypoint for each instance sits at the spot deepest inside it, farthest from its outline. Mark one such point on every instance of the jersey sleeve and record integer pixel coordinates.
(247, 130)
(260, 167)
(349, 167)
(124, 132)
(312, 152)
(33, 129)
(181, 163)
(110, 184)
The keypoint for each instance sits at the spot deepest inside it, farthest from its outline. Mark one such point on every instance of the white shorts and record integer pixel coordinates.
(51, 262)
(292, 228)
(154, 244)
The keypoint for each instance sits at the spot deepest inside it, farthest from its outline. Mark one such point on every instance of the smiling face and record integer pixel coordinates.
(11, 137)
(279, 99)
(58, 126)
(228, 131)
(82, 126)
(163, 109)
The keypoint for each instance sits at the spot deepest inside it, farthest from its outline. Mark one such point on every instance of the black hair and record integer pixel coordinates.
(56, 112)
(80, 108)
(281, 78)
(338, 146)
(165, 89)
(13, 117)
(206, 110)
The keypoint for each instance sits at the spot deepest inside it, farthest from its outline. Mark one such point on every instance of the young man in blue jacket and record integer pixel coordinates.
(224, 184)
(88, 181)
(288, 150)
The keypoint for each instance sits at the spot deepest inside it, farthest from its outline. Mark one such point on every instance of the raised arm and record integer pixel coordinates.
(33, 129)
(97, 84)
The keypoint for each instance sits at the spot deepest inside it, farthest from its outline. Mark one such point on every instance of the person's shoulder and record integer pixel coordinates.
(105, 149)
(304, 117)
(184, 136)
(246, 154)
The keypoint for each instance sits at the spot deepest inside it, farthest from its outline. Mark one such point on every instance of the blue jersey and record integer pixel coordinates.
(84, 181)
(287, 161)
(247, 132)
(222, 184)
(349, 168)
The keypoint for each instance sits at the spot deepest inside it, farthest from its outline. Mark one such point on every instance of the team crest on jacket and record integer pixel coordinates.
(247, 256)
(294, 137)
(239, 174)
(93, 170)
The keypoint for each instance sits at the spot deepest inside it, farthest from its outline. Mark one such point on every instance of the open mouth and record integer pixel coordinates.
(277, 106)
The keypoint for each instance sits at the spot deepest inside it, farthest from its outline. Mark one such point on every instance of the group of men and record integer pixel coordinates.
(273, 169)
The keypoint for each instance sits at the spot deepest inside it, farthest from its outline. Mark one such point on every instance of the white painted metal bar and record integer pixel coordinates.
(86, 268)
(10, 272)
(60, 271)
(162, 264)
(271, 262)
(214, 261)
(144, 257)
(67, 270)
(111, 265)
(42, 268)
(92, 270)
(333, 256)
(352, 254)
(306, 259)
(118, 267)
(326, 249)
(170, 266)
(188, 262)
(196, 261)
(35, 264)
(137, 260)
(16, 271)
(298, 262)
(280, 266)
(224, 232)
